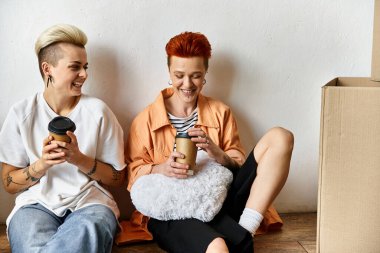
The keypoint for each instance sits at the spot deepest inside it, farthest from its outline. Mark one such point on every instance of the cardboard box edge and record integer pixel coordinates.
(321, 132)
(375, 66)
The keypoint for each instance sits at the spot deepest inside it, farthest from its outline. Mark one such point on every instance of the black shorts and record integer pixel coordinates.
(192, 235)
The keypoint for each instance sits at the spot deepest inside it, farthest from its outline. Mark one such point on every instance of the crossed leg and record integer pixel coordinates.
(272, 154)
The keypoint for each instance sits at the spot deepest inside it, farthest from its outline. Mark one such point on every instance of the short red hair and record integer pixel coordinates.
(189, 44)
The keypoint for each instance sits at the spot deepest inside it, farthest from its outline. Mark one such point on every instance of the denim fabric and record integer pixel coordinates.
(34, 228)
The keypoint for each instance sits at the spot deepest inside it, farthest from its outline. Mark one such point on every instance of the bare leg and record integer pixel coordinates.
(218, 245)
(272, 153)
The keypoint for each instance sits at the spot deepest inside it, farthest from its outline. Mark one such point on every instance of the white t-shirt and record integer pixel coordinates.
(63, 186)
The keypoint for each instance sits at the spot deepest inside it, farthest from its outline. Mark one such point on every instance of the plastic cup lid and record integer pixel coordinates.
(60, 124)
(183, 135)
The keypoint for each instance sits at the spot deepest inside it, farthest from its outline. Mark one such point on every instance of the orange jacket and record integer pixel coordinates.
(151, 136)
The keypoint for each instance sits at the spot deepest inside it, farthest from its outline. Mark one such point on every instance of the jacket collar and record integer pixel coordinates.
(206, 116)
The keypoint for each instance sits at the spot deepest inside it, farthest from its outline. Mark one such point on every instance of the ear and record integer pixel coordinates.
(45, 68)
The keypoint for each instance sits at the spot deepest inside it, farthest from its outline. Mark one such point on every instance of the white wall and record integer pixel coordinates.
(270, 59)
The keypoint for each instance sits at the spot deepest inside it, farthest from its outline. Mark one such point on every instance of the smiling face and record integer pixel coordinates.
(69, 73)
(187, 75)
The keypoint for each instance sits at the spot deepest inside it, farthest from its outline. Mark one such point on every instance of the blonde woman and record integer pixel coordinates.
(62, 205)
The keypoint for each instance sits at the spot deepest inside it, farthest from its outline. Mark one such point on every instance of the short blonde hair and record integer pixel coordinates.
(46, 47)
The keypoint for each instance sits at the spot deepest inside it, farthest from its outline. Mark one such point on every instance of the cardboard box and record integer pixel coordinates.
(349, 169)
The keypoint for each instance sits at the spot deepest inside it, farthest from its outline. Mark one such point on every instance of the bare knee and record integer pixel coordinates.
(218, 245)
(281, 138)
(277, 139)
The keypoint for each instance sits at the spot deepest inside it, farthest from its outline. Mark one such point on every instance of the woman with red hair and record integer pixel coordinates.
(257, 180)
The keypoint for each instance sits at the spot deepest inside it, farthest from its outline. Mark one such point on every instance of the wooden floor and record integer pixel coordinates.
(297, 235)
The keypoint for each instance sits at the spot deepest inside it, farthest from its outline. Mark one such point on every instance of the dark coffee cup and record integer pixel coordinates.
(59, 126)
(185, 146)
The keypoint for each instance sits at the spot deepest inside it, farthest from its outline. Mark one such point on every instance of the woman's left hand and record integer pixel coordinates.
(203, 141)
(71, 150)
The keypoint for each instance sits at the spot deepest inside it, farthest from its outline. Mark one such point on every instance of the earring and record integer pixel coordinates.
(49, 80)
(204, 81)
(170, 82)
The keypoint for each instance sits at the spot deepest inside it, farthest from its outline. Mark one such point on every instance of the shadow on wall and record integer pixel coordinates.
(106, 80)
(107, 77)
(221, 85)
(220, 78)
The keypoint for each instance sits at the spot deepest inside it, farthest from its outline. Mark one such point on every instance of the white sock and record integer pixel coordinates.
(250, 220)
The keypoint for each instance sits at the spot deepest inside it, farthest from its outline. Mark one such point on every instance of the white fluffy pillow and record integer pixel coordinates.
(200, 196)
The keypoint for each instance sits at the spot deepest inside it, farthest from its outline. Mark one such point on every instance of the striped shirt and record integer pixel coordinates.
(184, 124)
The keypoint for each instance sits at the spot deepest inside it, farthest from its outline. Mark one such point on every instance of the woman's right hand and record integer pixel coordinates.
(171, 168)
(52, 154)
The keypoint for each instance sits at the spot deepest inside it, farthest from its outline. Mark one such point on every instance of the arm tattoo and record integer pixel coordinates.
(32, 167)
(10, 180)
(92, 171)
(116, 174)
(29, 176)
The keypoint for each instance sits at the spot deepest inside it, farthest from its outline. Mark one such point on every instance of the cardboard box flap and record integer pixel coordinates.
(346, 82)
(376, 43)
